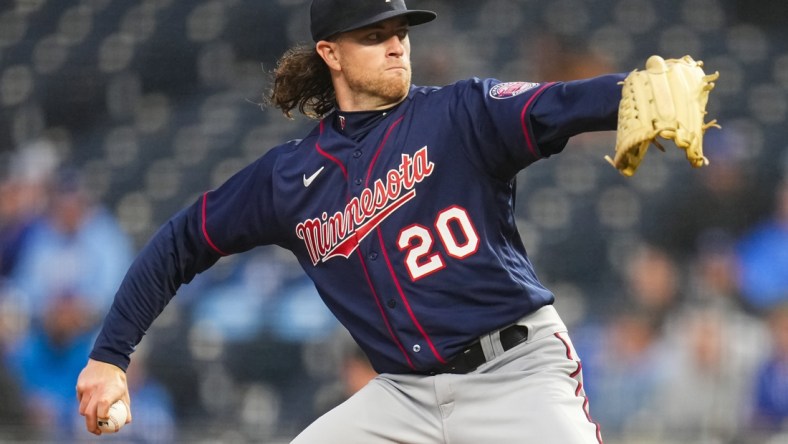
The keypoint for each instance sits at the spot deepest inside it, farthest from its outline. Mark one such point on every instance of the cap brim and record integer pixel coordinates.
(414, 16)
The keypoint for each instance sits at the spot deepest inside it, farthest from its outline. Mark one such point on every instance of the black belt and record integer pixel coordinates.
(472, 357)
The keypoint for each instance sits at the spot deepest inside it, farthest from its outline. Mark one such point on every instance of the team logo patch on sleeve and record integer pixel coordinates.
(510, 89)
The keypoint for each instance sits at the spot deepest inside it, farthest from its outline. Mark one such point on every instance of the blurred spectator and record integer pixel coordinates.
(23, 197)
(48, 361)
(623, 362)
(77, 250)
(713, 348)
(652, 282)
(771, 394)
(705, 390)
(623, 355)
(715, 272)
(714, 285)
(764, 256)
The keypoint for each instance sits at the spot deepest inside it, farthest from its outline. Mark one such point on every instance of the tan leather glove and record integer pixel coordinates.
(668, 100)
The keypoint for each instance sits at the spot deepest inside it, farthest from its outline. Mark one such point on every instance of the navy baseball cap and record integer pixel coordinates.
(329, 17)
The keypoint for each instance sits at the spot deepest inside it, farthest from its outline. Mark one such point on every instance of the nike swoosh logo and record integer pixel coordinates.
(308, 180)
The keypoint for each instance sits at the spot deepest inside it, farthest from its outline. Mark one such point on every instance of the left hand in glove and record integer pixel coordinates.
(668, 100)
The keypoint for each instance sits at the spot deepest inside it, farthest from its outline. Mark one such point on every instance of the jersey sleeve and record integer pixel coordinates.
(515, 124)
(233, 218)
(240, 214)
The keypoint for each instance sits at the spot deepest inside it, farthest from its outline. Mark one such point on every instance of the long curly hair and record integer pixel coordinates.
(302, 80)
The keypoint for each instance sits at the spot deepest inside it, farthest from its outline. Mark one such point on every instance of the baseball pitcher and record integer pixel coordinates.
(398, 204)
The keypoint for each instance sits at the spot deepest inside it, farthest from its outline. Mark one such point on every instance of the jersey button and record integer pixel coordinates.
(372, 256)
(391, 303)
(417, 348)
(358, 182)
(357, 154)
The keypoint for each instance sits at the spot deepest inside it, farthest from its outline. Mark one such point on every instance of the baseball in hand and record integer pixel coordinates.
(118, 413)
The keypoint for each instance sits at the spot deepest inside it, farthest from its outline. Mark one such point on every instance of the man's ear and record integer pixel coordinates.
(328, 52)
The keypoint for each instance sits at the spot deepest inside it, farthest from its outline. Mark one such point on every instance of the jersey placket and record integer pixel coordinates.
(383, 278)
(355, 170)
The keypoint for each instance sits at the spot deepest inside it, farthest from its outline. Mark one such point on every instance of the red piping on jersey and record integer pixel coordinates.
(383, 312)
(579, 388)
(329, 156)
(407, 304)
(205, 230)
(380, 148)
(528, 141)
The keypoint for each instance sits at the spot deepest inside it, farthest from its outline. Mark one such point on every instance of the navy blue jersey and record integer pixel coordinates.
(408, 232)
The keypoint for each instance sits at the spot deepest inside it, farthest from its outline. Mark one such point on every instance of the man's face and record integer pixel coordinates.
(375, 60)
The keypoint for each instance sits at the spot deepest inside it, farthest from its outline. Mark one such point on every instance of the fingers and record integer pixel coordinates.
(98, 408)
(91, 419)
(92, 407)
(87, 408)
(84, 400)
(102, 408)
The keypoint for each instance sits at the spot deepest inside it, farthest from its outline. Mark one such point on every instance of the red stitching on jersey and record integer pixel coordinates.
(380, 148)
(383, 312)
(405, 301)
(575, 375)
(329, 156)
(204, 229)
(528, 141)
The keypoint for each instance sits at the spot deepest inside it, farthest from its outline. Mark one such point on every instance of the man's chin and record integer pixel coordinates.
(400, 90)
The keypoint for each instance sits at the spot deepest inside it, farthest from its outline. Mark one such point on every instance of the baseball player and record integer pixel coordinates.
(399, 206)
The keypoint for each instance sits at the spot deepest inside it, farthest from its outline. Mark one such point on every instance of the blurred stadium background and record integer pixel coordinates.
(674, 282)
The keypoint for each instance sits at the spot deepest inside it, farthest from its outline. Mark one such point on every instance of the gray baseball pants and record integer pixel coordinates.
(532, 393)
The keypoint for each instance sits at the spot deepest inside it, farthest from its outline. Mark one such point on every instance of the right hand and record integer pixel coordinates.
(99, 385)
